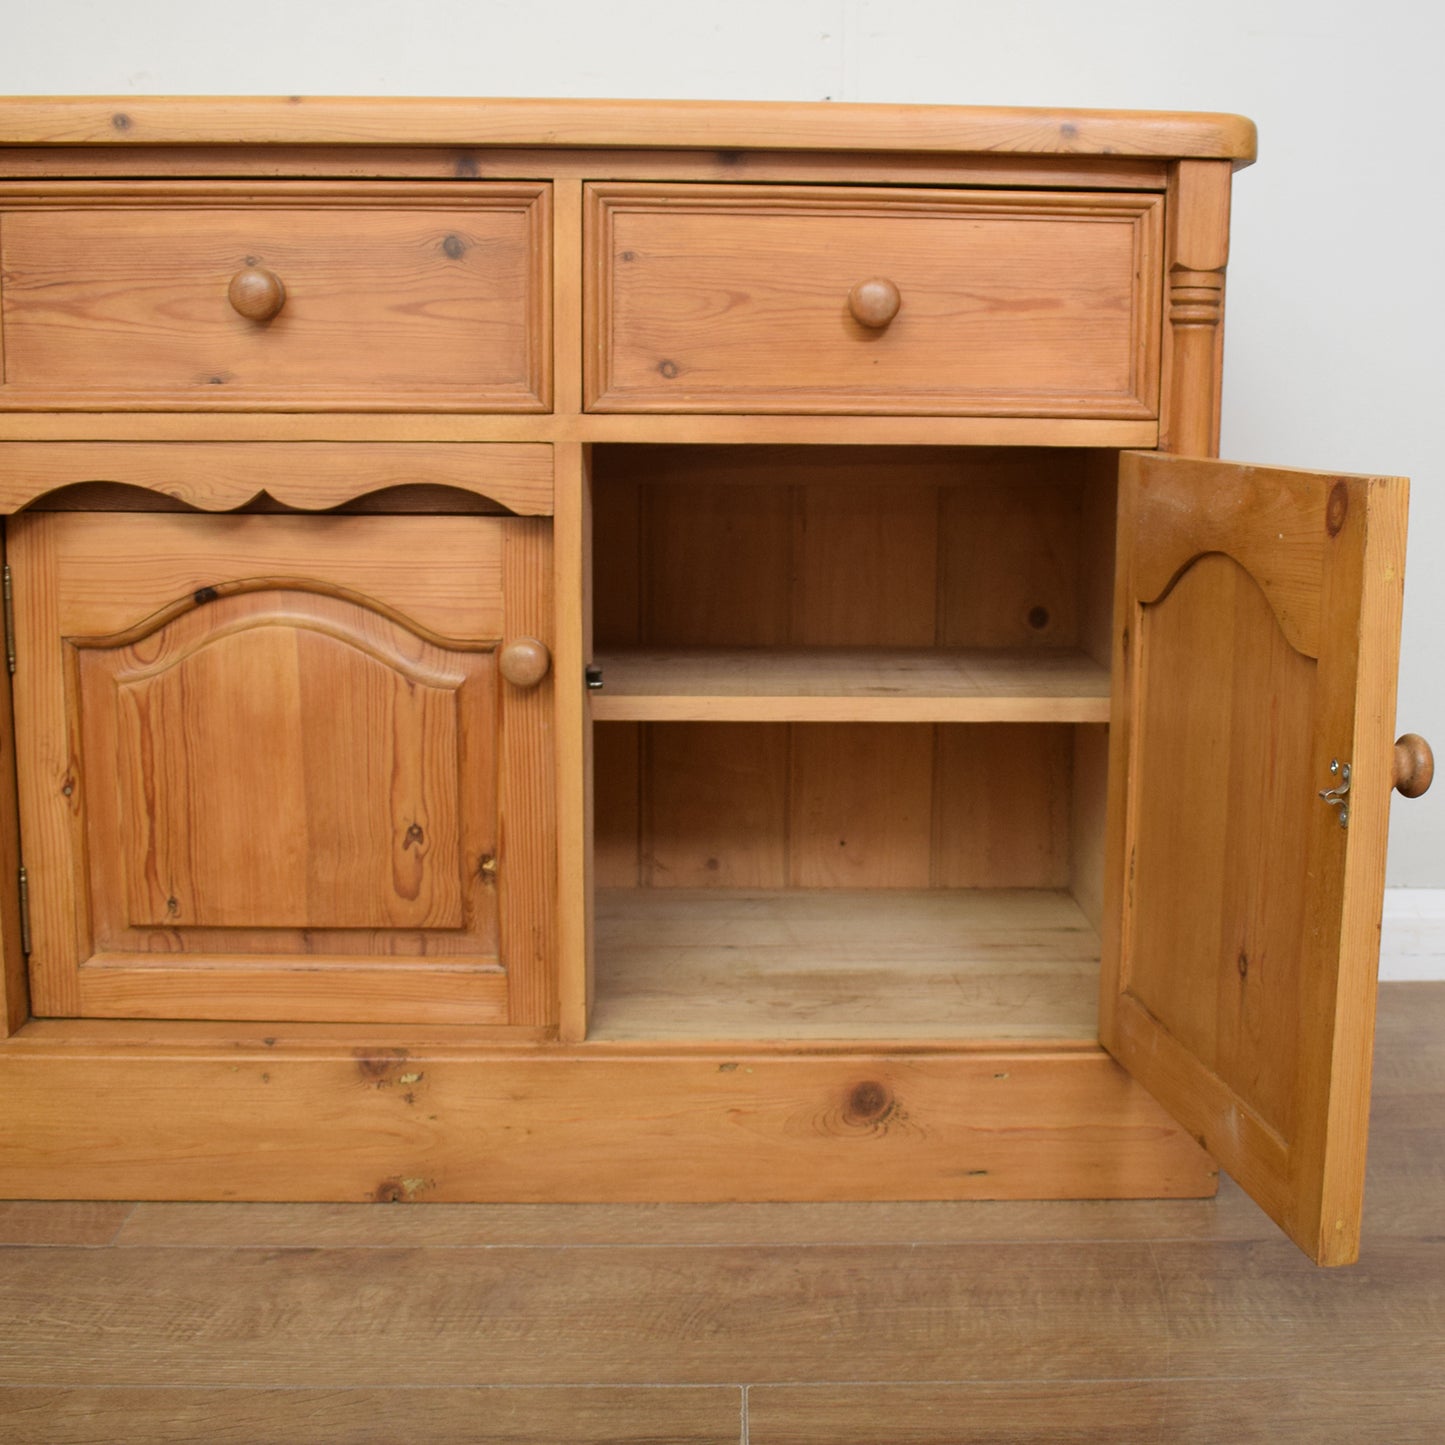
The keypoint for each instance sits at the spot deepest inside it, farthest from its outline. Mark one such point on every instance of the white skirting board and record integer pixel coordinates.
(1412, 934)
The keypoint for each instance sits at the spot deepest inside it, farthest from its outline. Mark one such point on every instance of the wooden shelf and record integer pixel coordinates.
(870, 684)
(965, 965)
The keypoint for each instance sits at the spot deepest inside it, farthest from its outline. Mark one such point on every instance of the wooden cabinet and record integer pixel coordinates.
(552, 661)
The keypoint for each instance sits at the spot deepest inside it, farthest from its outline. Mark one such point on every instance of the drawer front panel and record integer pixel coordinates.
(394, 296)
(722, 299)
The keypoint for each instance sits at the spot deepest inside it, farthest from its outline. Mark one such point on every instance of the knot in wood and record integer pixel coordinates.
(869, 1102)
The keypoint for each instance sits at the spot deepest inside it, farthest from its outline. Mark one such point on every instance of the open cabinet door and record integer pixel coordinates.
(1257, 624)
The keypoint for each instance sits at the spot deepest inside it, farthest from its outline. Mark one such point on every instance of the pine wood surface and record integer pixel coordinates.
(1013, 303)
(1004, 964)
(1258, 614)
(783, 166)
(1067, 325)
(309, 476)
(332, 120)
(775, 549)
(399, 295)
(834, 805)
(902, 431)
(14, 974)
(111, 1114)
(341, 878)
(1114, 1323)
(1196, 253)
(851, 684)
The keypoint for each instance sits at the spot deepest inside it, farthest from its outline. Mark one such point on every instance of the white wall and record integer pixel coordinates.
(1335, 313)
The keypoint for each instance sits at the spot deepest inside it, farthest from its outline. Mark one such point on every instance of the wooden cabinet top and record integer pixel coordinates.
(669, 124)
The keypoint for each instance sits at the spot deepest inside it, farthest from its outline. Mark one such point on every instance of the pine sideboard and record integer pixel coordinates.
(671, 651)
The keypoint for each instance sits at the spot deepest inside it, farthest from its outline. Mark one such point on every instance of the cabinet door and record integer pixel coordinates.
(1257, 626)
(268, 769)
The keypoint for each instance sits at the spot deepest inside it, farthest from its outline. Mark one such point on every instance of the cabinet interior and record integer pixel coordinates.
(927, 863)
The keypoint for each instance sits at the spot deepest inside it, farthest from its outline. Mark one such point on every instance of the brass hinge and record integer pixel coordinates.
(24, 912)
(9, 623)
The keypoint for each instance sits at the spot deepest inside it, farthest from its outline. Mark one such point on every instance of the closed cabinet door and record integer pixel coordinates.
(270, 766)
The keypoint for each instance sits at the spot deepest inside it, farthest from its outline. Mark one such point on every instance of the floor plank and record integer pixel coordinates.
(501, 1416)
(74, 1222)
(1017, 1312)
(349, 1318)
(1318, 1410)
(523, 1226)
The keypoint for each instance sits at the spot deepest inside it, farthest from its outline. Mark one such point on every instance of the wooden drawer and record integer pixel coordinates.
(431, 297)
(737, 298)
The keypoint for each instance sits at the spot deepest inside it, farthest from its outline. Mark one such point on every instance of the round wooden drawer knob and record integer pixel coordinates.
(1414, 765)
(525, 662)
(256, 293)
(875, 302)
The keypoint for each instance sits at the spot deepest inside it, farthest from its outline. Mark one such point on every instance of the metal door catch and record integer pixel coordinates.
(1338, 797)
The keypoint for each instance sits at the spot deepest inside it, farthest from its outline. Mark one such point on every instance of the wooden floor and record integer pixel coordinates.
(1131, 1324)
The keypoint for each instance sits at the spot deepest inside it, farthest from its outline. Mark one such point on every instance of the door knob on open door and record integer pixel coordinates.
(1414, 765)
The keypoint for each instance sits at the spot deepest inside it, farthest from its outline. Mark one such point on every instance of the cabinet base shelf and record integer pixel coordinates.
(1010, 965)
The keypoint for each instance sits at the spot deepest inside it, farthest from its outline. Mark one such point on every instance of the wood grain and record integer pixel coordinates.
(767, 805)
(71, 1222)
(215, 717)
(1014, 304)
(860, 806)
(846, 546)
(1242, 906)
(1318, 1408)
(361, 1120)
(1037, 1313)
(851, 684)
(616, 833)
(526, 836)
(1235, 1340)
(309, 476)
(900, 431)
(504, 1414)
(332, 121)
(1406, 1180)
(1088, 814)
(14, 973)
(1003, 965)
(714, 806)
(1197, 252)
(856, 583)
(623, 1316)
(410, 296)
(138, 565)
(1011, 562)
(575, 777)
(1003, 814)
(713, 566)
(445, 163)
(1241, 924)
